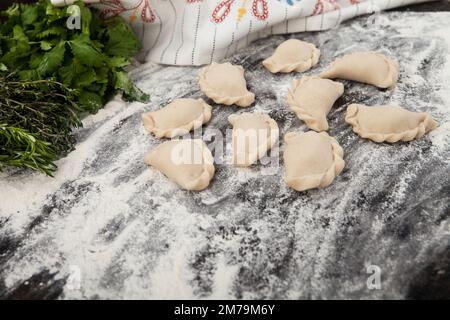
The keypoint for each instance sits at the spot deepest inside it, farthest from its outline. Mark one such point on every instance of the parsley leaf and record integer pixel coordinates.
(52, 60)
(36, 43)
(86, 51)
(122, 41)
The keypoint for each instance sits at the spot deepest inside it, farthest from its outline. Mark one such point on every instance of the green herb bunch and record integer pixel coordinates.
(22, 149)
(51, 75)
(36, 43)
(36, 122)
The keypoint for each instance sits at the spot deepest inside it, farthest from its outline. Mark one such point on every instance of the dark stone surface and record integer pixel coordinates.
(433, 6)
(133, 235)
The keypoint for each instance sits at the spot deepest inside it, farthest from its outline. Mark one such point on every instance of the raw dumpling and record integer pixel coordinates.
(253, 135)
(312, 160)
(311, 98)
(388, 123)
(293, 55)
(225, 84)
(187, 162)
(177, 118)
(367, 67)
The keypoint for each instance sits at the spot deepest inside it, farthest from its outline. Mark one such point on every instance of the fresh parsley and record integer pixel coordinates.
(51, 75)
(36, 43)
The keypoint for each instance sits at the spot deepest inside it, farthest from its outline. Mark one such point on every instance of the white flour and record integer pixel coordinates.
(133, 234)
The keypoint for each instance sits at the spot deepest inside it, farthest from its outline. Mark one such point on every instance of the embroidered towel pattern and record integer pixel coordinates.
(197, 32)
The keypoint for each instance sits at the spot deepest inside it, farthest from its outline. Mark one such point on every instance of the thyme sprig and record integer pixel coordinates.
(37, 119)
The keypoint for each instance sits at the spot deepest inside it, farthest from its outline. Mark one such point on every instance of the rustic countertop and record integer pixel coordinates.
(107, 226)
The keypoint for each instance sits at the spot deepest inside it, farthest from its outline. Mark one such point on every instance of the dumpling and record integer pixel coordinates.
(253, 135)
(367, 67)
(311, 98)
(293, 55)
(225, 84)
(188, 162)
(311, 160)
(388, 123)
(177, 118)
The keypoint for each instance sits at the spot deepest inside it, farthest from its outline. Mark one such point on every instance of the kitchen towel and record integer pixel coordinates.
(196, 32)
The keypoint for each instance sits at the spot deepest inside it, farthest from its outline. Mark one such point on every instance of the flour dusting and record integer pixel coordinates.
(133, 234)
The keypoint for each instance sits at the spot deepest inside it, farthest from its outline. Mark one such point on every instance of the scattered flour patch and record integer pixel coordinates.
(223, 280)
(133, 234)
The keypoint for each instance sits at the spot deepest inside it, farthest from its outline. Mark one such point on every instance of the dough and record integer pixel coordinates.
(225, 84)
(311, 98)
(312, 160)
(293, 55)
(388, 123)
(187, 162)
(253, 135)
(177, 118)
(367, 67)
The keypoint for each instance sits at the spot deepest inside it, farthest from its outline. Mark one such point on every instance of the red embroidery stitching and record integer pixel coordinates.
(224, 4)
(260, 4)
(147, 14)
(324, 6)
(113, 8)
(260, 10)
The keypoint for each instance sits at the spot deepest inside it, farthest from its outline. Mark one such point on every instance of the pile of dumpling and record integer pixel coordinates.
(312, 159)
